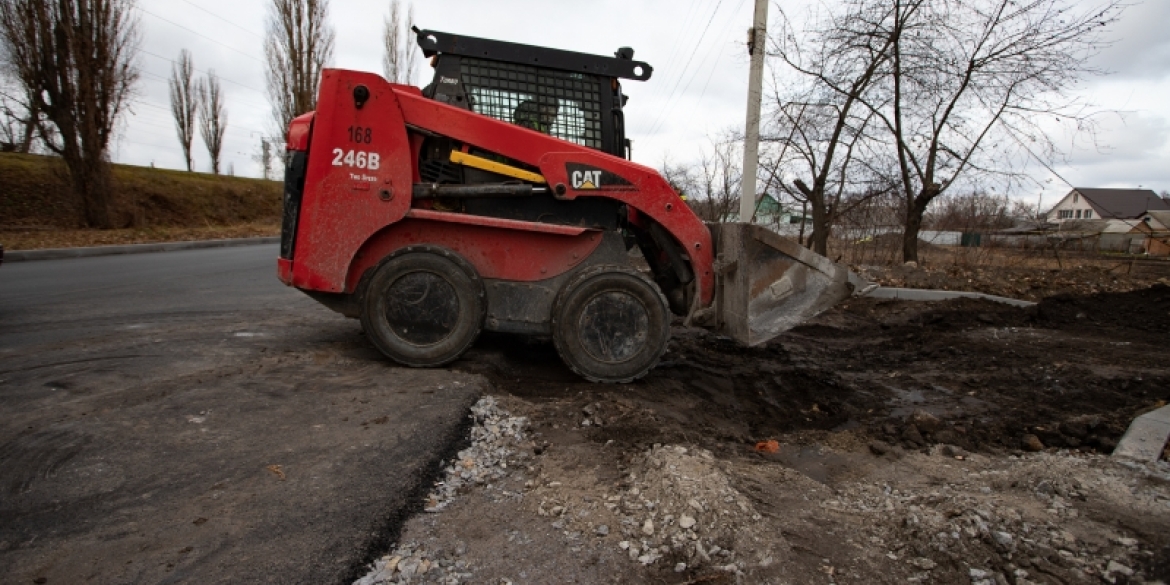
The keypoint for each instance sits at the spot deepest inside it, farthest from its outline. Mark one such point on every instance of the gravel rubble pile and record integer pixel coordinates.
(496, 439)
(982, 524)
(675, 506)
(411, 563)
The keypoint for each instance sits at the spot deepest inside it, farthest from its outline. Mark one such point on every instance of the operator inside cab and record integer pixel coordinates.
(539, 114)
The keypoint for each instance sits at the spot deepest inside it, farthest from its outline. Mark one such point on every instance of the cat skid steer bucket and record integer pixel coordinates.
(768, 284)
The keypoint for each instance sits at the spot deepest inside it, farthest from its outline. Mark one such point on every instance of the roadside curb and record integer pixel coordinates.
(1146, 437)
(919, 294)
(60, 253)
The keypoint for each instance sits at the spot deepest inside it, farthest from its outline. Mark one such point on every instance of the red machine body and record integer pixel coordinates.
(353, 213)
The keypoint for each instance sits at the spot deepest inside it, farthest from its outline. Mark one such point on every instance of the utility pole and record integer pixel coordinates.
(757, 38)
(266, 157)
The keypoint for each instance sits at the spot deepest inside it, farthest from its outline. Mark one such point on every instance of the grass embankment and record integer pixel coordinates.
(38, 210)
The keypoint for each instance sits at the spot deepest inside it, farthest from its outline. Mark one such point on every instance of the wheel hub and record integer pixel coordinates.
(614, 326)
(422, 308)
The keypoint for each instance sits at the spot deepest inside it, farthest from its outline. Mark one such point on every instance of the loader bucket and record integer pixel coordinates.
(768, 284)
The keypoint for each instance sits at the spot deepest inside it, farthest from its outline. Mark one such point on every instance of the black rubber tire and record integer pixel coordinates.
(611, 324)
(423, 307)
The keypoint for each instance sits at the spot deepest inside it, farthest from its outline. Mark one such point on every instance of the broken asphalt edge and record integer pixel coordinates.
(61, 253)
(388, 529)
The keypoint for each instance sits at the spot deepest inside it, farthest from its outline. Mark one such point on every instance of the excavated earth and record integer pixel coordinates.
(951, 442)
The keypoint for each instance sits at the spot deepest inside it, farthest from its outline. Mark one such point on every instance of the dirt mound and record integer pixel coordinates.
(1146, 311)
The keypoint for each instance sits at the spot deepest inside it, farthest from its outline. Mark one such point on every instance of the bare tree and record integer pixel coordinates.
(266, 154)
(75, 60)
(410, 50)
(972, 84)
(184, 102)
(298, 45)
(18, 117)
(680, 178)
(399, 57)
(820, 130)
(715, 181)
(973, 210)
(212, 117)
(391, 39)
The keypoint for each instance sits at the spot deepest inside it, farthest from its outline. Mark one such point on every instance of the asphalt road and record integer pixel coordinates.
(183, 417)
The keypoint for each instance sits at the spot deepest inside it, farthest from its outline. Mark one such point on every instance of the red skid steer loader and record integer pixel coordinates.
(501, 197)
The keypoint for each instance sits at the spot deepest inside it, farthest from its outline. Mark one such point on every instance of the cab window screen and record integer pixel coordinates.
(559, 103)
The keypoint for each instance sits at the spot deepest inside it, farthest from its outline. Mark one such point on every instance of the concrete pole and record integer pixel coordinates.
(757, 39)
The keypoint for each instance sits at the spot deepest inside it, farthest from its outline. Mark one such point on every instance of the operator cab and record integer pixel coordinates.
(572, 96)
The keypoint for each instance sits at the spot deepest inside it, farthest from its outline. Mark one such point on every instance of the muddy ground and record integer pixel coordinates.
(953, 442)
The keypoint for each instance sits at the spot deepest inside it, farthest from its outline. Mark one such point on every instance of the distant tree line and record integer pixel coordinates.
(197, 106)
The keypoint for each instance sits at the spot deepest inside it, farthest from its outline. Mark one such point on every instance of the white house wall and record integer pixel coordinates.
(1072, 202)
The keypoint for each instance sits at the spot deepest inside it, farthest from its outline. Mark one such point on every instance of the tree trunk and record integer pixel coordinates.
(91, 185)
(819, 239)
(803, 215)
(914, 212)
(30, 127)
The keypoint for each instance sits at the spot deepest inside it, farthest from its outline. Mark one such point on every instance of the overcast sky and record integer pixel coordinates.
(698, 88)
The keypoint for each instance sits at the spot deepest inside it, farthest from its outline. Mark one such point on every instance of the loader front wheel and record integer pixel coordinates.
(611, 324)
(424, 307)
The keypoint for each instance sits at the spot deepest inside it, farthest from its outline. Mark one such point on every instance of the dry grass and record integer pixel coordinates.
(34, 192)
(37, 209)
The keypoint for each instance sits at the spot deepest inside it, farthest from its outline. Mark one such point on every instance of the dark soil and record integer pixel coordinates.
(1072, 371)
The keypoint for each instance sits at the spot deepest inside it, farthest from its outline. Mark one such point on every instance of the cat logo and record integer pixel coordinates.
(589, 178)
(585, 179)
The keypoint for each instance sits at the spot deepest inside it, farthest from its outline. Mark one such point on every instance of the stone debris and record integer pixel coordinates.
(674, 502)
(410, 563)
(676, 510)
(931, 527)
(497, 439)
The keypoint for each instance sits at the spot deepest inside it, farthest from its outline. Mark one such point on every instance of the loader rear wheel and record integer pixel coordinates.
(424, 307)
(611, 324)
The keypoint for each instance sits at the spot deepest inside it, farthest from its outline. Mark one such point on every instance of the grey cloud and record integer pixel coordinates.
(1140, 137)
(1140, 43)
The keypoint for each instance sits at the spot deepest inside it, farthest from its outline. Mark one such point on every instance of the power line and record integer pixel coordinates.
(223, 19)
(157, 77)
(169, 115)
(719, 53)
(666, 68)
(205, 72)
(698, 43)
(198, 34)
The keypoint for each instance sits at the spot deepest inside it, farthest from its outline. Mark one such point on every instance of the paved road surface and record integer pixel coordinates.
(183, 417)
